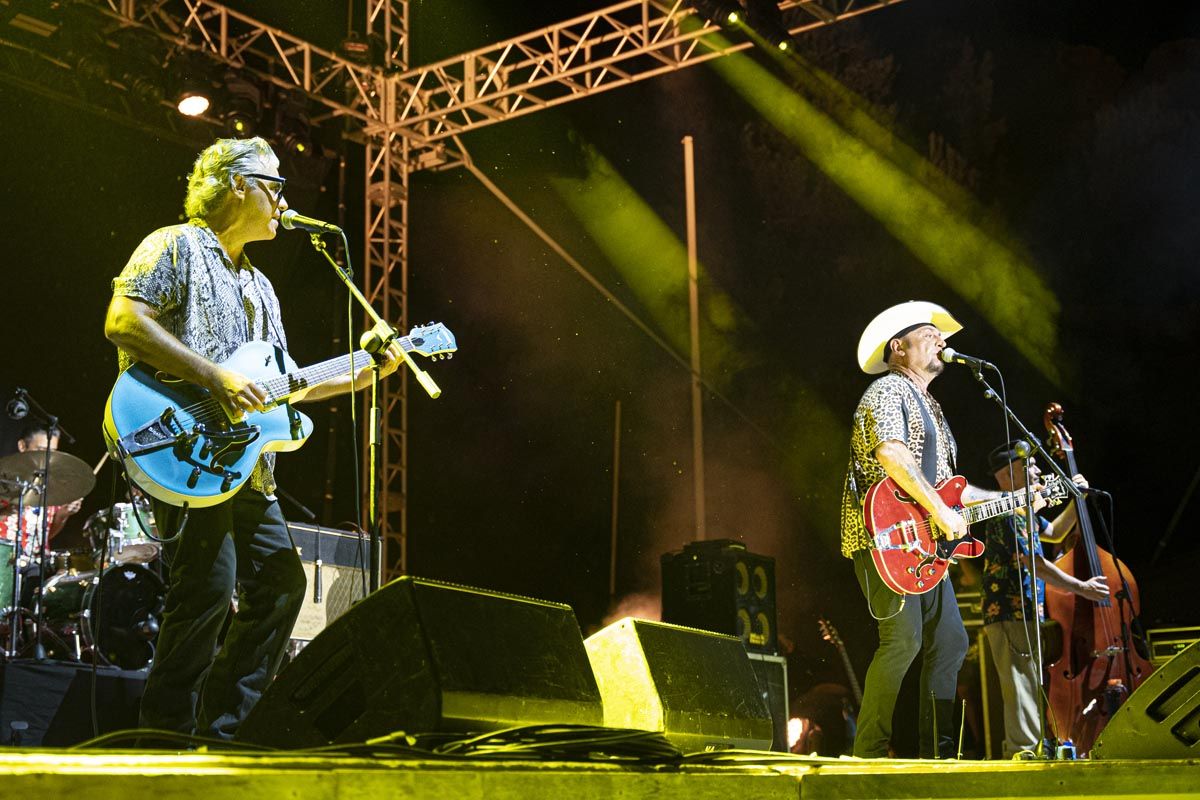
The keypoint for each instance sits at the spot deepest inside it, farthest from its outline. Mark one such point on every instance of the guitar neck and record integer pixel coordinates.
(1013, 501)
(281, 388)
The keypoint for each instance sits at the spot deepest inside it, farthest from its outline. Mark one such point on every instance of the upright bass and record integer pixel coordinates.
(1100, 665)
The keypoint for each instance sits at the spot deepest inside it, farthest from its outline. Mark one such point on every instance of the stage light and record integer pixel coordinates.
(192, 103)
(82, 43)
(293, 129)
(765, 18)
(194, 84)
(365, 51)
(243, 105)
(139, 61)
(720, 12)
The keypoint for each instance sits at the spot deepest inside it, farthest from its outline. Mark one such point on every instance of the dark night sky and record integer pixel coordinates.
(1079, 119)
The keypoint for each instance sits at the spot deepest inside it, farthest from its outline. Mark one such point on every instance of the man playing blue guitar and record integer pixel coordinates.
(900, 434)
(186, 301)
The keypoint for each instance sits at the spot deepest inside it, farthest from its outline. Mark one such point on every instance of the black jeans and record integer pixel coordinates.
(929, 621)
(243, 542)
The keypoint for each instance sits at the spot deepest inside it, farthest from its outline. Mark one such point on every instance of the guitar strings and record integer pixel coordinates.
(210, 411)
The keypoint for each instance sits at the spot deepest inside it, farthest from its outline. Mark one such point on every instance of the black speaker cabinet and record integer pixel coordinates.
(49, 703)
(695, 687)
(421, 656)
(718, 586)
(1161, 719)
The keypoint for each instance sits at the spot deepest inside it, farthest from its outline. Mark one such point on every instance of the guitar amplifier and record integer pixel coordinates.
(344, 578)
(1166, 643)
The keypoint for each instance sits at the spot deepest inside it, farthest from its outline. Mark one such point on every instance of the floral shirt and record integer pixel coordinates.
(203, 300)
(1007, 592)
(888, 410)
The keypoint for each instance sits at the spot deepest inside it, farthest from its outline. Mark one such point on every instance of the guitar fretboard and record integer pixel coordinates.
(280, 388)
(994, 508)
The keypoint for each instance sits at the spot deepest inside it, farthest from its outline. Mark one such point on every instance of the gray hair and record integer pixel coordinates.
(212, 174)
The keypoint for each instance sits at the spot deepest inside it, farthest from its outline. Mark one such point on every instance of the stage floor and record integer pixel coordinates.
(123, 775)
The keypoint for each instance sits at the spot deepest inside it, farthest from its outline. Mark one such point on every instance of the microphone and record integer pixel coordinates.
(17, 407)
(298, 222)
(952, 356)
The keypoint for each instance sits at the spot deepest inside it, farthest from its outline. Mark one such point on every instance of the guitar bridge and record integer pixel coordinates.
(161, 432)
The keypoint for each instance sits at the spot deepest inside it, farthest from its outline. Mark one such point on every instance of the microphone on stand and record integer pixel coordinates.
(294, 221)
(952, 356)
(17, 407)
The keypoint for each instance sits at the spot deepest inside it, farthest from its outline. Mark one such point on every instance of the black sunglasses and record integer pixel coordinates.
(271, 178)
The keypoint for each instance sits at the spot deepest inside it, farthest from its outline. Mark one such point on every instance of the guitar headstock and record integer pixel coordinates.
(828, 632)
(433, 340)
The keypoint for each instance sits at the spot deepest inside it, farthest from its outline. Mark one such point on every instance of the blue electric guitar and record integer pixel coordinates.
(179, 446)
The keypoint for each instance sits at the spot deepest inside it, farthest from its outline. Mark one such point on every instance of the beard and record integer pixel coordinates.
(936, 366)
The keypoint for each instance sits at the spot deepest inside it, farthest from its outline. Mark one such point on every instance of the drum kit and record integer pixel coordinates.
(103, 600)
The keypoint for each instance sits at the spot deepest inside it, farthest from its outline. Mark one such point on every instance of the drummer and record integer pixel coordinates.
(35, 438)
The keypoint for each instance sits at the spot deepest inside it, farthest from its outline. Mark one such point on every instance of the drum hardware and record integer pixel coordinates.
(67, 478)
(39, 478)
(129, 529)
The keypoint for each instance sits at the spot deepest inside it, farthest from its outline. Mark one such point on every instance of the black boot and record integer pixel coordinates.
(939, 731)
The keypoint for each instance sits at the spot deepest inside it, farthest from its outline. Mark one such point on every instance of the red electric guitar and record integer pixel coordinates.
(910, 553)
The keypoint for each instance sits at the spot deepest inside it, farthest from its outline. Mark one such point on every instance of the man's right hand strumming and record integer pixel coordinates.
(949, 522)
(236, 393)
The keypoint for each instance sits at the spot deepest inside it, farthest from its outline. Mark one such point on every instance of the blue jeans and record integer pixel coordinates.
(908, 625)
(243, 543)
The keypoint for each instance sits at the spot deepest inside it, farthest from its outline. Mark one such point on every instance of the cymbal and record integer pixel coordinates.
(70, 477)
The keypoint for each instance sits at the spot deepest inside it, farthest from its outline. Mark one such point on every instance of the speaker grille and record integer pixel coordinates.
(718, 586)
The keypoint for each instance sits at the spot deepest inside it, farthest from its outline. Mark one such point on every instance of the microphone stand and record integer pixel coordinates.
(318, 591)
(53, 429)
(14, 624)
(375, 341)
(1035, 447)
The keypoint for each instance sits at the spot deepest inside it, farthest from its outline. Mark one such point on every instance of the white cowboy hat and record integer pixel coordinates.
(893, 321)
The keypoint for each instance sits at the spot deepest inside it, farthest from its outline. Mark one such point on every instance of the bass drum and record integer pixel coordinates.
(116, 614)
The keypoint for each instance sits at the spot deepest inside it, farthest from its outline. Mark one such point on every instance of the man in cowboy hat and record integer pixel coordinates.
(1009, 610)
(900, 432)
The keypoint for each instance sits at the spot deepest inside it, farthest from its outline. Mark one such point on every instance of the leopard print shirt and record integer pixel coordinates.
(888, 411)
(204, 301)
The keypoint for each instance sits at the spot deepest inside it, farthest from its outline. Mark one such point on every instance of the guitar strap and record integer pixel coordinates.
(929, 446)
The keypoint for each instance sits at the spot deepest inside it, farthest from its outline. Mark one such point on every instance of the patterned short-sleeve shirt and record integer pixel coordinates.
(1007, 584)
(212, 306)
(888, 410)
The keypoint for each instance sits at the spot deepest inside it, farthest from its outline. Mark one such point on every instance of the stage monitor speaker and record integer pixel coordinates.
(718, 586)
(695, 687)
(771, 672)
(49, 703)
(1161, 719)
(422, 656)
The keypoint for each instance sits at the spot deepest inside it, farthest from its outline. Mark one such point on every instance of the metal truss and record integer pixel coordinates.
(609, 48)
(385, 276)
(408, 118)
(271, 54)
